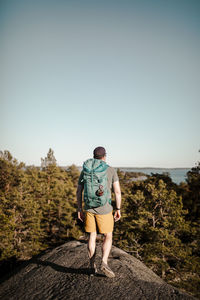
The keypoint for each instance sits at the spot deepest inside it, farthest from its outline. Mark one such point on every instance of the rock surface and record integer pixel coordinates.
(63, 273)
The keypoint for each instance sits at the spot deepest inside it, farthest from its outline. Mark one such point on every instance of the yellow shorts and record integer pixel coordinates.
(105, 223)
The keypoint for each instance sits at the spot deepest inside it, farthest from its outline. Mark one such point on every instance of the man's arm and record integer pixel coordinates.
(79, 201)
(117, 191)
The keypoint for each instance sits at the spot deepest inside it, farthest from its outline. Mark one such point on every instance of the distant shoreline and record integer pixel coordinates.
(176, 174)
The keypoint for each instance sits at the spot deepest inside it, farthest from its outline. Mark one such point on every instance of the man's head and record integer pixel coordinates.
(99, 153)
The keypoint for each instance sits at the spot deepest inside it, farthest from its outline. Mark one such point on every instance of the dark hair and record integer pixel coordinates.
(99, 152)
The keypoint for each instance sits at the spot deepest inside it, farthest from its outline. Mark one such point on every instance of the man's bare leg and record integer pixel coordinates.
(107, 244)
(92, 244)
(91, 250)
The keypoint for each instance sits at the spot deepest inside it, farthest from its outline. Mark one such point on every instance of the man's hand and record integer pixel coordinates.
(81, 216)
(117, 215)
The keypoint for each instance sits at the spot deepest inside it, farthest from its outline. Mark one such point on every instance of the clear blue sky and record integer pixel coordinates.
(122, 74)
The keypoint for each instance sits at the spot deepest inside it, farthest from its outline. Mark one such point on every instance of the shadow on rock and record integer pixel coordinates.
(59, 268)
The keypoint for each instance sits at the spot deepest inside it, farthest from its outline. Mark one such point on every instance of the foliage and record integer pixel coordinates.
(159, 225)
(154, 228)
(191, 194)
(37, 208)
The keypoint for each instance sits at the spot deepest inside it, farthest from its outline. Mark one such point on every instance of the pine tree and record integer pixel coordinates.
(152, 223)
(59, 200)
(49, 159)
(192, 197)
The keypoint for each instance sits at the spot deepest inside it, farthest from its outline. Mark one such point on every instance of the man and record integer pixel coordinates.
(99, 213)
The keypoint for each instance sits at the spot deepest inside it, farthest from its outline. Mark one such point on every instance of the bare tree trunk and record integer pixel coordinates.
(164, 260)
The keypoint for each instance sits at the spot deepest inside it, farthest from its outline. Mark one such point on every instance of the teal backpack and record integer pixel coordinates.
(95, 183)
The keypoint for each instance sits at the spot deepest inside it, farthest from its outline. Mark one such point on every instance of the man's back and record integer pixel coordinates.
(111, 178)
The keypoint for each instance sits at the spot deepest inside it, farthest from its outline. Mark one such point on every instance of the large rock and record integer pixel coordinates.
(63, 273)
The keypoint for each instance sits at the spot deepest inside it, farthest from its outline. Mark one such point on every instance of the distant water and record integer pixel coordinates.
(177, 175)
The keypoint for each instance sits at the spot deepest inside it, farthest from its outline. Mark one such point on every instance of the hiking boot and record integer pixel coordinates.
(107, 270)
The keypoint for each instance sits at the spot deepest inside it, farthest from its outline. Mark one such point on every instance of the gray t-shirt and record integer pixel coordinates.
(107, 208)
